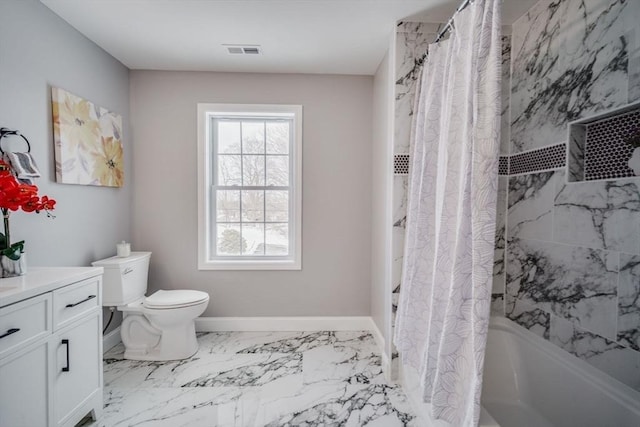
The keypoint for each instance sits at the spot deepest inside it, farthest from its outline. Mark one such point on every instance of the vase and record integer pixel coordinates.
(12, 268)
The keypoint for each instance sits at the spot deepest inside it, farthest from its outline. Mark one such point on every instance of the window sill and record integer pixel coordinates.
(250, 265)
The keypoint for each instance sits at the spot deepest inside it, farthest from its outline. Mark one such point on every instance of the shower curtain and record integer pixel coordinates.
(443, 312)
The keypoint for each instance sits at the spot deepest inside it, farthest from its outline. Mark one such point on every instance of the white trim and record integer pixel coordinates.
(298, 324)
(205, 261)
(380, 342)
(111, 340)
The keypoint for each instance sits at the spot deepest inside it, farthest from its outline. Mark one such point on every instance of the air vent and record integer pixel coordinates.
(243, 49)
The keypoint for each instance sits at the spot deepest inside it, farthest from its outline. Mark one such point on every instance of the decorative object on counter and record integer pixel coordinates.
(123, 249)
(88, 142)
(15, 195)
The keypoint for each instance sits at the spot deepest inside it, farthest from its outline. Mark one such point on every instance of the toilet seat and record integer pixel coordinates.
(164, 300)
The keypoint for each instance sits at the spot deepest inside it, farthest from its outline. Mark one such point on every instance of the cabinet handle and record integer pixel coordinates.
(66, 368)
(80, 302)
(9, 332)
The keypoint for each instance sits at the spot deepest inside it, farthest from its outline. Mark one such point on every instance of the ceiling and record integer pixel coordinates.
(296, 36)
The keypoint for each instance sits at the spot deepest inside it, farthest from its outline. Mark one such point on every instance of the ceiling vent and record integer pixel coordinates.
(243, 49)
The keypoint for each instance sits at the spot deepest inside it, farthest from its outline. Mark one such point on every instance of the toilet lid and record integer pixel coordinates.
(175, 299)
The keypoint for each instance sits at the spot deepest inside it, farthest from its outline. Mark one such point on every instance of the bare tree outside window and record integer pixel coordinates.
(252, 207)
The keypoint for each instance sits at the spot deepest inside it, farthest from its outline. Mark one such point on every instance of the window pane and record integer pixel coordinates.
(228, 205)
(230, 242)
(253, 170)
(253, 137)
(276, 239)
(278, 171)
(229, 172)
(277, 204)
(254, 236)
(278, 137)
(229, 137)
(253, 206)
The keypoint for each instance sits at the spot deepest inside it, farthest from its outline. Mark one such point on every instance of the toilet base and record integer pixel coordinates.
(157, 345)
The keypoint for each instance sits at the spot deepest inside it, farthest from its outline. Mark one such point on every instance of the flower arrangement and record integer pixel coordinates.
(15, 195)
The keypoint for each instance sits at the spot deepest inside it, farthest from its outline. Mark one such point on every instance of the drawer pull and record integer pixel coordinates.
(66, 368)
(90, 297)
(127, 270)
(9, 332)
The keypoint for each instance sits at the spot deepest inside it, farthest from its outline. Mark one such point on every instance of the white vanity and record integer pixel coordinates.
(51, 347)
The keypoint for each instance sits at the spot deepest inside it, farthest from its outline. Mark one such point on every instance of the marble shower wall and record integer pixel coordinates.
(572, 265)
(412, 40)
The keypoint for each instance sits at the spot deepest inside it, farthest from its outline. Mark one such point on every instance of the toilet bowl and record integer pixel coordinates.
(158, 327)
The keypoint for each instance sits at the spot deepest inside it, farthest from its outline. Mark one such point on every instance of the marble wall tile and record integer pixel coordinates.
(570, 60)
(400, 192)
(602, 214)
(497, 304)
(577, 138)
(579, 284)
(412, 40)
(530, 204)
(629, 301)
(634, 79)
(527, 316)
(498, 257)
(618, 361)
(505, 116)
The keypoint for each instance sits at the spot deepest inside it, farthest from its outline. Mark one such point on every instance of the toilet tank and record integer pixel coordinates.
(125, 278)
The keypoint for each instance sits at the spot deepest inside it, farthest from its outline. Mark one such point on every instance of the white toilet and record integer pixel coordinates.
(158, 327)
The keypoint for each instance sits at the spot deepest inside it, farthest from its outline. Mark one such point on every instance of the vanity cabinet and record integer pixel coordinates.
(51, 347)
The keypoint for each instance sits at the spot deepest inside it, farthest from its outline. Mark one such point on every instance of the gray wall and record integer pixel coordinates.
(336, 215)
(381, 181)
(38, 50)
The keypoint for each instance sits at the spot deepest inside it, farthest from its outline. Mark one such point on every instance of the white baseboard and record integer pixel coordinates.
(386, 363)
(111, 340)
(297, 324)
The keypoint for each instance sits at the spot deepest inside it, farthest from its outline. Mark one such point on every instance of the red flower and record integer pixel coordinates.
(13, 196)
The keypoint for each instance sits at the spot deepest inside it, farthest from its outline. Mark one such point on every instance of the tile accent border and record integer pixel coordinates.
(503, 165)
(401, 164)
(546, 158)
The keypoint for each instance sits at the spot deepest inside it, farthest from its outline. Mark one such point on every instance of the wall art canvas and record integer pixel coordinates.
(88, 141)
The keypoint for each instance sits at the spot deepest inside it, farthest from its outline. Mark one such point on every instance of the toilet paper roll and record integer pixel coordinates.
(123, 249)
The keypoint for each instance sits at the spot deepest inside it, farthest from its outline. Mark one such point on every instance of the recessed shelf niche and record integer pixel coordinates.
(598, 147)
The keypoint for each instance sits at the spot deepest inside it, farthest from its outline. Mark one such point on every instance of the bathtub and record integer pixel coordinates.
(529, 382)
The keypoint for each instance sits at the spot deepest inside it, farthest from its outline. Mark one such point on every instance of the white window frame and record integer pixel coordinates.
(206, 217)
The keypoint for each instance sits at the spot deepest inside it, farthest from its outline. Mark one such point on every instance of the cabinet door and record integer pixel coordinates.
(24, 391)
(78, 367)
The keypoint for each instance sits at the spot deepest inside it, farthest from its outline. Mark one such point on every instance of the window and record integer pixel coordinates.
(249, 187)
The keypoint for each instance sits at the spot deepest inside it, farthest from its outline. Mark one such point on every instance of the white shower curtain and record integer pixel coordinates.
(443, 312)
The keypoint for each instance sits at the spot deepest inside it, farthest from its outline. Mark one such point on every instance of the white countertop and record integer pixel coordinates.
(39, 280)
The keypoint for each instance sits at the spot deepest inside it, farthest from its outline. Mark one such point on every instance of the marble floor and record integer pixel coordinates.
(258, 379)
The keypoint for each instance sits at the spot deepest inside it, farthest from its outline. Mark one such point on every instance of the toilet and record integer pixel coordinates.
(158, 327)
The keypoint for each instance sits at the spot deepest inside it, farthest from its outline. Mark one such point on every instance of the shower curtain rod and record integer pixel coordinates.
(447, 26)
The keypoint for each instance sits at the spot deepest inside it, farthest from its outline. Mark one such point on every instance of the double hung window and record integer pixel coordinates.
(250, 186)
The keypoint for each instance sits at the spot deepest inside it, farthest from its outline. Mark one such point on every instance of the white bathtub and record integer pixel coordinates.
(529, 382)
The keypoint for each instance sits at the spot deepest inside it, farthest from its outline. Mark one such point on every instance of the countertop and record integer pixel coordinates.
(39, 280)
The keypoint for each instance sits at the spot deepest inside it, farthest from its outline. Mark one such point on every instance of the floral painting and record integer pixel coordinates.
(88, 141)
